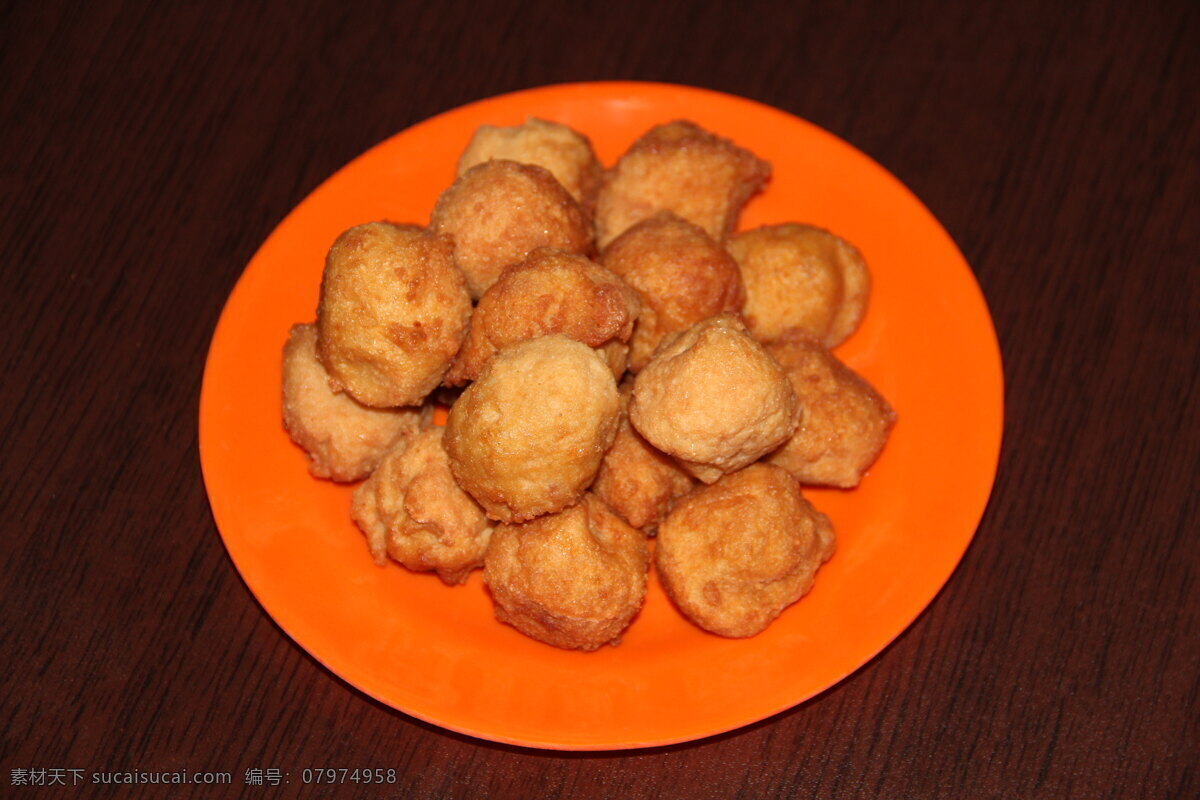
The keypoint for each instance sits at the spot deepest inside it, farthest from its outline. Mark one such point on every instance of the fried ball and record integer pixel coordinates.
(550, 292)
(733, 555)
(636, 480)
(712, 398)
(499, 211)
(527, 437)
(412, 510)
(798, 276)
(845, 423)
(566, 153)
(344, 439)
(573, 579)
(682, 275)
(683, 168)
(393, 312)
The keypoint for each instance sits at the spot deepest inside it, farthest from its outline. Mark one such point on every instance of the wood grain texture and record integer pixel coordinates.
(147, 149)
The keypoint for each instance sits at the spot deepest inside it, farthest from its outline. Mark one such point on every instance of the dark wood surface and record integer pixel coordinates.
(147, 149)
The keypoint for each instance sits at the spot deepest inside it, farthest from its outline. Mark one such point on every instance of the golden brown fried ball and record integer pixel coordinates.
(527, 437)
(682, 275)
(344, 439)
(412, 510)
(573, 579)
(566, 153)
(500, 211)
(712, 398)
(683, 168)
(550, 292)
(798, 276)
(394, 309)
(638, 481)
(844, 424)
(733, 555)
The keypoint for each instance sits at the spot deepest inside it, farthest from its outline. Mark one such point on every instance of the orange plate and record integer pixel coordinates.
(436, 652)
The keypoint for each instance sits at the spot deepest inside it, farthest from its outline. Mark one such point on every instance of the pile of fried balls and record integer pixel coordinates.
(618, 365)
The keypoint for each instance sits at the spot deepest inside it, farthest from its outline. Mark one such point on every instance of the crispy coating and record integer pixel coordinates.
(499, 211)
(733, 555)
(573, 579)
(798, 276)
(550, 292)
(412, 510)
(638, 481)
(566, 153)
(845, 423)
(683, 168)
(344, 439)
(712, 398)
(394, 309)
(527, 437)
(682, 274)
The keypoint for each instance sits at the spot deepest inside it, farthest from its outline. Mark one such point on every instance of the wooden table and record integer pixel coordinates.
(146, 151)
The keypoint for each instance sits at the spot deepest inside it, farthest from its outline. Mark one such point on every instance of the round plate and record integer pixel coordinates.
(436, 652)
